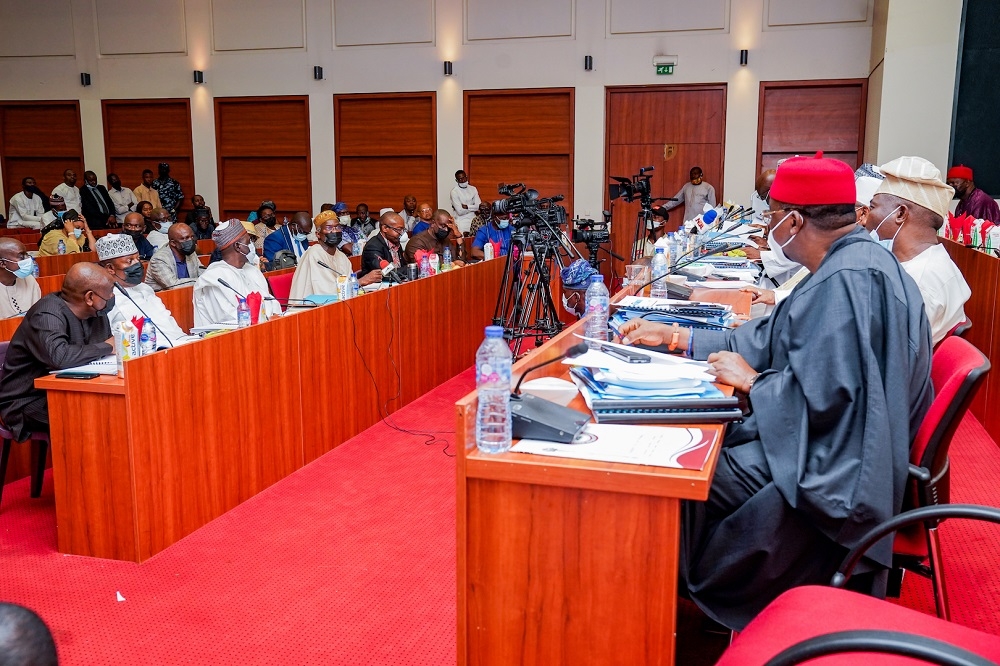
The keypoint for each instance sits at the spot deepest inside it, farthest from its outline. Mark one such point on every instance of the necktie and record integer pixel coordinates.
(100, 201)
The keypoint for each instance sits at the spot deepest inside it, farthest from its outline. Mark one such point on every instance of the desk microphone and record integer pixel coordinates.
(125, 292)
(537, 418)
(389, 272)
(328, 267)
(266, 297)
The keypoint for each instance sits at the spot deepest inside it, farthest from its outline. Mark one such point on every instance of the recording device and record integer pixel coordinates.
(537, 418)
(630, 189)
(125, 292)
(591, 231)
(390, 273)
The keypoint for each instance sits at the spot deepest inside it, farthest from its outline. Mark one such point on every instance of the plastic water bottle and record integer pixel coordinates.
(359, 246)
(425, 266)
(674, 250)
(352, 285)
(659, 288)
(147, 339)
(597, 300)
(34, 268)
(446, 259)
(493, 360)
(242, 314)
(61, 248)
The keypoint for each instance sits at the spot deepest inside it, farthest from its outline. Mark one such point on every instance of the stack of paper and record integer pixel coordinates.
(669, 311)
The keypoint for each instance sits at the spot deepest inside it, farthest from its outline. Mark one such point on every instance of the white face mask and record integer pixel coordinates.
(345, 220)
(778, 248)
(403, 238)
(164, 226)
(463, 185)
(251, 254)
(887, 244)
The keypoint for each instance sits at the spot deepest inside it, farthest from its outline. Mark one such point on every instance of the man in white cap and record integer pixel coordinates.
(906, 213)
(117, 254)
(214, 302)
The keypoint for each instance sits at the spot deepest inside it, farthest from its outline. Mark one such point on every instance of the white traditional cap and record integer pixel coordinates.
(113, 246)
(385, 210)
(867, 179)
(917, 180)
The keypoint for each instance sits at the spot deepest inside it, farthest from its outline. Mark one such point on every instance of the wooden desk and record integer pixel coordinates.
(568, 561)
(58, 264)
(193, 431)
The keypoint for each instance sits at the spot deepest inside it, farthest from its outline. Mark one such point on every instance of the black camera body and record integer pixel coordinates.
(527, 208)
(630, 189)
(590, 231)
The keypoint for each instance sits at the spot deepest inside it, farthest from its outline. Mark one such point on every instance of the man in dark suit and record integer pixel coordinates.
(385, 245)
(291, 237)
(96, 203)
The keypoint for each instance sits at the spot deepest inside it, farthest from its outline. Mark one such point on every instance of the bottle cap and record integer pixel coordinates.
(597, 277)
(659, 250)
(494, 331)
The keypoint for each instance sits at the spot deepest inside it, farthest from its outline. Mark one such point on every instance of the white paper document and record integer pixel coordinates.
(107, 365)
(637, 445)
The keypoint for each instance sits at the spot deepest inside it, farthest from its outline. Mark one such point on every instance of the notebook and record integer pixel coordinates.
(107, 365)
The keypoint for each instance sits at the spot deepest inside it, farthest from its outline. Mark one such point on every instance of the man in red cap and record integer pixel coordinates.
(972, 200)
(838, 381)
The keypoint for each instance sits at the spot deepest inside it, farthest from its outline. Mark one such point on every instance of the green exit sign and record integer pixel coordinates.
(665, 69)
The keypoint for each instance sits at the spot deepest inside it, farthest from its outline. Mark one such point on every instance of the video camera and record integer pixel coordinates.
(591, 231)
(630, 189)
(526, 208)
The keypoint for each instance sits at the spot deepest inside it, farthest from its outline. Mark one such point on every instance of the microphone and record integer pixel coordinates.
(125, 292)
(537, 418)
(574, 351)
(331, 268)
(684, 264)
(266, 297)
(389, 271)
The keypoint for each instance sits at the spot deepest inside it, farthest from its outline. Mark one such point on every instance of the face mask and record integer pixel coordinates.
(345, 220)
(776, 247)
(269, 223)
(164, 226)
(251, 254)
(333, 240)
(403, 238)
(463, 185)
(136, 235)
(442, 233)
(188, 247)
(108, 307)
(133, 274)
(300, 237)
(503, 224)
(24, 268)
(887, 244)
(757, 204)
(77, 233)
(696, 181)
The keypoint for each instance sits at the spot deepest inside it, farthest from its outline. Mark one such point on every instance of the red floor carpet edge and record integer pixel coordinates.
(351, 560)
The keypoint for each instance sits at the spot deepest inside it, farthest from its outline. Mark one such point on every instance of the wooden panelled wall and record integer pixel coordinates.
(801, 117)
(671, 128)
(385, 148)
(520, 136)
(41, 140)
(141, 133)
(262, 147)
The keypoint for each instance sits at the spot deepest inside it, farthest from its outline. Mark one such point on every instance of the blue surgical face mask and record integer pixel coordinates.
(24, 267)
(874, 233)
(300, 237)
(503, 224)
(77, 233)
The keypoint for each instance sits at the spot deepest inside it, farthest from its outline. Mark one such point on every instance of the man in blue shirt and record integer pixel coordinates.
(497, 233)
(291, 237)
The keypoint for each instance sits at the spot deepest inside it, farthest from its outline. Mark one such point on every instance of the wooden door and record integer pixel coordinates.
(41, 140)
(672, 129)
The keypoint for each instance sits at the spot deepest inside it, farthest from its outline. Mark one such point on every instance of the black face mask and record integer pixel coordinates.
(188, 247)
(442, 233)
(136, 235)
(108, 307)
(133, 274)
(333, 240)
(269, 223)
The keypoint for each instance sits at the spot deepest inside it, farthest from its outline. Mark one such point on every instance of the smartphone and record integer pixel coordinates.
(624, 354)
(77, 375)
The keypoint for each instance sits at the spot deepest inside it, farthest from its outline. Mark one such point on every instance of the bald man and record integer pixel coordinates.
(20, 290)
(442, 232)
(62, 330)
(135, 226)
(387, 245)
(162, 222)
(425, 212)
(176, 263)
(292, 237)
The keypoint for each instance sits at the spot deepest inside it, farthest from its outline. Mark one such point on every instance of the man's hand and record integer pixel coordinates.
(751, 252)
(642, 332)
(371, 277)
(760, 241)
(457, 263)
(112, 221)
(765, 296)
(730, 368)
(465, 206)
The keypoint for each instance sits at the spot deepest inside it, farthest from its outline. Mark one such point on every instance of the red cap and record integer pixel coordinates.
(960, 171)
(814, 181)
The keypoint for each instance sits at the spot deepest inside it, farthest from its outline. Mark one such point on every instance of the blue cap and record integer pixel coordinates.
(340, 207)
(577, 275)
(597, 277)
(494, 331)
(659, 250)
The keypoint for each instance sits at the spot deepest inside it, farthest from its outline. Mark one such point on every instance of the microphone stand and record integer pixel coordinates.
(572, 352)
(537, 418)
(141, 311)
(673, 271)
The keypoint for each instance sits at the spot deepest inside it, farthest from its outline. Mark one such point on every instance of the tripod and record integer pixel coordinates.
(642, 222)
(525, 307)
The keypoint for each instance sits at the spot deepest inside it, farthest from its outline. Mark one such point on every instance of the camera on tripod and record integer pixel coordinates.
(630, 189)
(591, 232)
(526, 208)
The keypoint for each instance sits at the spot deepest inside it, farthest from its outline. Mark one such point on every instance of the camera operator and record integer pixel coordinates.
(442, 232)
(694, 195)
(497, 232)
(655, 229)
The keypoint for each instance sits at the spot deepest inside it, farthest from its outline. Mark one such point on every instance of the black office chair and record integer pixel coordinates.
(39, 442)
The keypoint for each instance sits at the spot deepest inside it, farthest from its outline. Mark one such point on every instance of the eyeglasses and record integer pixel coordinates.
(398, 230)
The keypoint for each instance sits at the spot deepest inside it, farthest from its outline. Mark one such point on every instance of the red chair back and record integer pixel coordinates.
(281, 286)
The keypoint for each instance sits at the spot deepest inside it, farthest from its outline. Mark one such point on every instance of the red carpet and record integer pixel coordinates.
(351, 560)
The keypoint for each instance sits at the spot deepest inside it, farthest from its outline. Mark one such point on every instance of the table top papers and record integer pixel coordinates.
(679, 448)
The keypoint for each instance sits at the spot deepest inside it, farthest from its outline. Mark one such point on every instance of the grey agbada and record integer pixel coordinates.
(845, 385)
